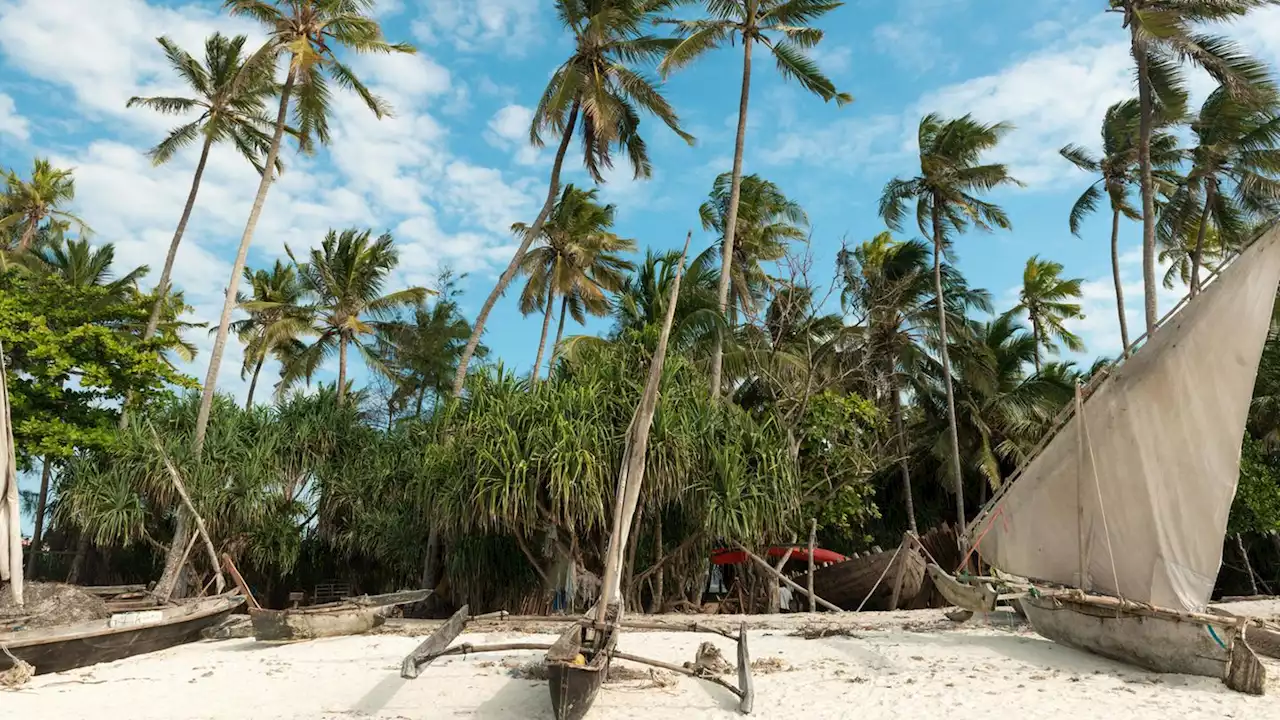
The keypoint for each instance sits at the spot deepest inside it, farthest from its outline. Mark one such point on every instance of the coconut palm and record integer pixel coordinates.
(887, 287)
(767, 221)
(598, 93)
(782, 26)
(1234, 180)
(29, 203)
(79, 264)
(945, 194)
(1163, 34)
(309, 33)
(277, 320)
(230, 96)
(1118, 175)
(578, 262)
(1047, 299)
(345, 277)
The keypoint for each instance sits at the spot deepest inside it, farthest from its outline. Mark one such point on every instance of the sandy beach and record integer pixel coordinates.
(883, 665)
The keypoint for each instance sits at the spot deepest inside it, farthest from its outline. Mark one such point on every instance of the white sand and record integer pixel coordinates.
(929, 669)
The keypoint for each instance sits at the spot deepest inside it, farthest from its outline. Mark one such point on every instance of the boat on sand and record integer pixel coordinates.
(351, 616)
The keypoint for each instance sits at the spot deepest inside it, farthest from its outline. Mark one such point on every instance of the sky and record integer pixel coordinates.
(452, 170)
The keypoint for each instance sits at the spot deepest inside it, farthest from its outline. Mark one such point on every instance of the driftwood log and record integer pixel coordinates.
(221, 584)
(765, 564)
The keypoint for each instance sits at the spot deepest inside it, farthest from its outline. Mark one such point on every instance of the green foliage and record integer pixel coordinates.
(73, 353)
(1257, 504)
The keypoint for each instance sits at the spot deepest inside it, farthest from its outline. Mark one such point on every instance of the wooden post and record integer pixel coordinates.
(775, 597)
(1083, 540)
(221, 584)
(765, 564)
(813, 539)
(908, 543)
(240, 583)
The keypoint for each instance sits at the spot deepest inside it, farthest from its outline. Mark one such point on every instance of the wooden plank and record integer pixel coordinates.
(813, 540)
(744, 671)
(240, 583)
(435, 644)
(109, 590)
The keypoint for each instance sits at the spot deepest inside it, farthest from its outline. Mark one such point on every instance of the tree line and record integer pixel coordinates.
(878, 395)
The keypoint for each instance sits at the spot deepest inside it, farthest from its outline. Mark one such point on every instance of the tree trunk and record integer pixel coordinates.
(659, 580)
(162, 287)
(542, 342)
(1115, 274)
(460, 376)
(78, 560)
(1148, 189)
(229, 304)
(1197, 255)
(342, 368)
(38, 531)
(896, 399)
(28, 234)
(946, 367)
(422, 394)
(176, 557)
(731, 218)
(1035, 338)
(1248, 566)
(253, 384)
(555, 349)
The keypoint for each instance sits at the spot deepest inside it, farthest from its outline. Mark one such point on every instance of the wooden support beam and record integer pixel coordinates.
(765, 564)
(239, 580)
(435, 644)
(813, 541)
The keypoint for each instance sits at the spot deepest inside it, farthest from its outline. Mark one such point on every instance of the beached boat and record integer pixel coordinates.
(121, 636)
(1117, 520)
(576, 666)
(872, 579)
(351, 616)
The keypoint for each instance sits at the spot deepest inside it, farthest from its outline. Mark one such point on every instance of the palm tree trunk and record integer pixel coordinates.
(1197, 255)
(1115, 274)
(253, 384)
(555, 349)
(946, 368)
(342, 369)
(1035, 338)
(28, 234)
(78, 560)
(542, 342)
(229, 304)
(1147, 185)
(731, 216)
(173, 561)
(422, 393)
(460, 376)
(896, 399)
(38, 531)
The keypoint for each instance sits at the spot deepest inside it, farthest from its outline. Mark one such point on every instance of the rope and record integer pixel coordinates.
(17, 675)
(881, 578)
(1102, 508)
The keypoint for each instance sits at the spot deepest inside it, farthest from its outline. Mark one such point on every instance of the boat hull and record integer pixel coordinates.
(348, 617)
(849, 583)
(66, 648)
(1159, 644)
(574, 687)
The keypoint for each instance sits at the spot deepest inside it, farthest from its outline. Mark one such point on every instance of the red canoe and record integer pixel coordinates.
(737, 557)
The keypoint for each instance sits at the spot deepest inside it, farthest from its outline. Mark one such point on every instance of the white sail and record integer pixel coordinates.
(10, 529)
(1163, 435)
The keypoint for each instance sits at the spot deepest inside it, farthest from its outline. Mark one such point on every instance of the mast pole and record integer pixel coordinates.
(1080, 456)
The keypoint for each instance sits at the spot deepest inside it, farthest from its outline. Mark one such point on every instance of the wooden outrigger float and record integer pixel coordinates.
(578, 662)
(1117, 519)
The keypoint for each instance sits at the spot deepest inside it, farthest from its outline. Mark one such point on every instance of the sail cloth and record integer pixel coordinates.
(10, 527)
(1163, 434)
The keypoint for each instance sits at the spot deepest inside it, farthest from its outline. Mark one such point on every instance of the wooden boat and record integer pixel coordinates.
(123, 635)
(577, 665)
(849, 583)
(1118, 518)
(352, 616)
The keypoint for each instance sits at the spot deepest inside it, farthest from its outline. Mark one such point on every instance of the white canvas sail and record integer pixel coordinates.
(1163, 435)
(10, 529)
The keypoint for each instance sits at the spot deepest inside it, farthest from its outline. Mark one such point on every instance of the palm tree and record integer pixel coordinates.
(78, 264)
(276, 320)
(309, 33)
(29, 203)
(1047, 300)
(230, 95)
(345, 277)
(1232, 183)
(783, 27)
(1162, 35)
(578, 261)
(888, 289)
(1119, 175)
(767, 221)
(951, 172)
(597, 83)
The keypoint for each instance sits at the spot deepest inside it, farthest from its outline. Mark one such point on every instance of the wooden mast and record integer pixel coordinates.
(10, 527)
(631, 475)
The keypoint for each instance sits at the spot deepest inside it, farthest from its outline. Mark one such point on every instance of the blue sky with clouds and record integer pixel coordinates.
(452, 170)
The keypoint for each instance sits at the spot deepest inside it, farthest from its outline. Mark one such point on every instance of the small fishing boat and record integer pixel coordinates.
(123, 635)
(1117, 520)
(577, 664)
(351, 616)
(868, 582)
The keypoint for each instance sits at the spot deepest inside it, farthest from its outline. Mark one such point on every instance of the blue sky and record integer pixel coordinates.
(452, 170)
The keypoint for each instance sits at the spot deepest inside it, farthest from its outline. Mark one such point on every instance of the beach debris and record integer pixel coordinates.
(816, 632)
(769, 665)
(50, 605)
(709, 661)
(19, 674)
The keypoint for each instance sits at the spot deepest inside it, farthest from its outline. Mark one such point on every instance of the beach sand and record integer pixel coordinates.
(874, 665)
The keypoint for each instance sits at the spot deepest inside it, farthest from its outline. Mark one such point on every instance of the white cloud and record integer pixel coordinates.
(911, 39)
(508, 130)
(11, 122)
(833, 59)
(1100, 327)
(507, 25)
